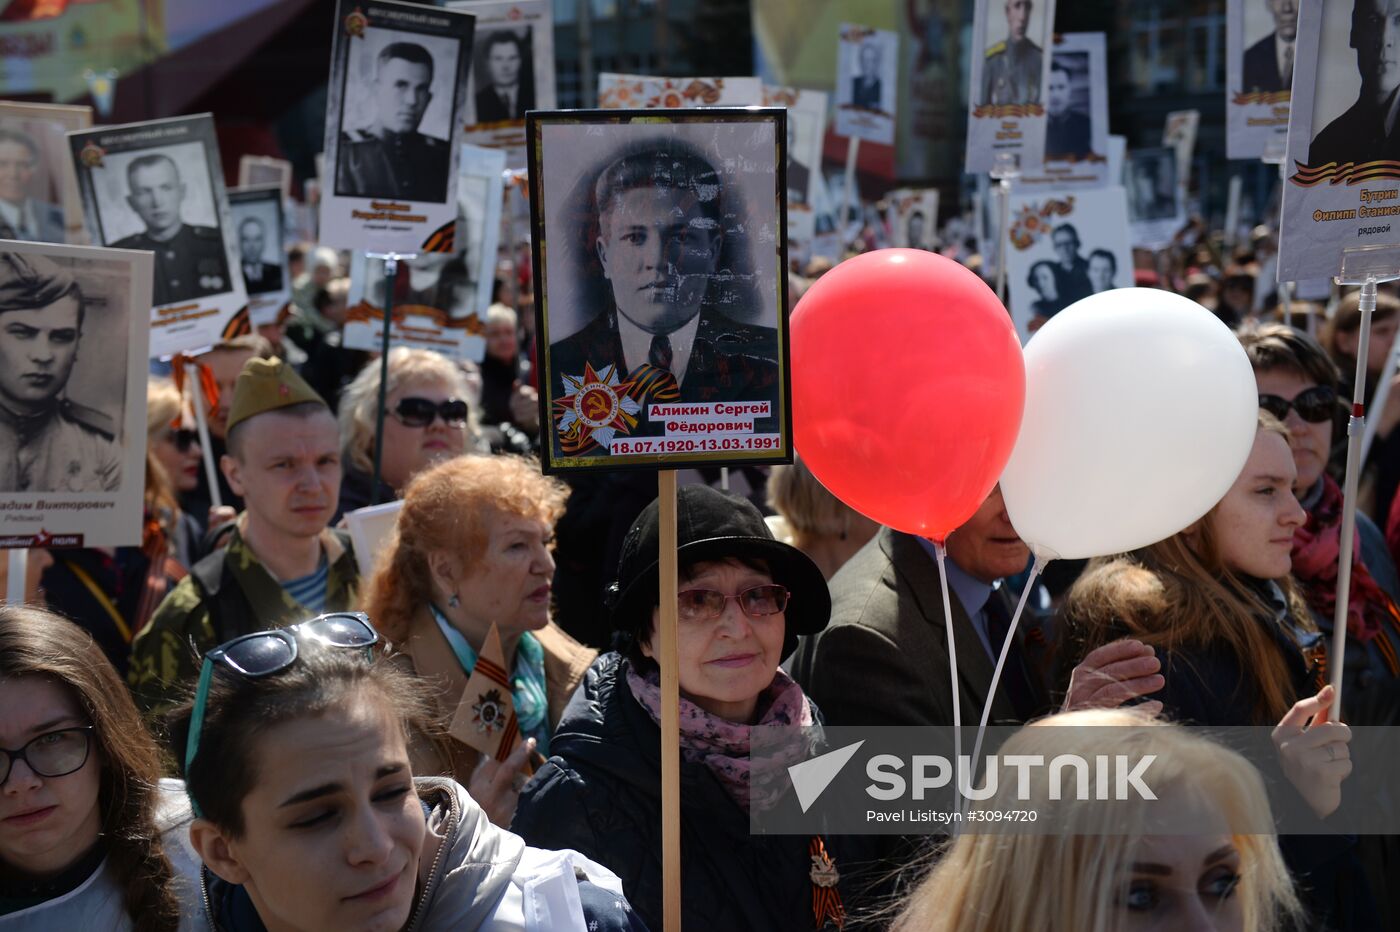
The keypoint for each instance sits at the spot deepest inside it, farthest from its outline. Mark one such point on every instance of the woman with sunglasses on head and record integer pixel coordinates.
(428, 418)
(112, 592)
(472, 549)
(1297, 385)
(88, 832)
(744, 599)
(308, 816)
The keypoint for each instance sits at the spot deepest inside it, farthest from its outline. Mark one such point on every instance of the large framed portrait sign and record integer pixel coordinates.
(660, 256)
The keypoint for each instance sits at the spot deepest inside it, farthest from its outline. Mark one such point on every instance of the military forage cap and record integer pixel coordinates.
(266, 385)
(28, 282)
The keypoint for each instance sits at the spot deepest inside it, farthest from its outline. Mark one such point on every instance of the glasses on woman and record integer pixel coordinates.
(183, 439)
(266, 653)
(1315, 405)
(52, 754)
(420, 412)
(704, 604)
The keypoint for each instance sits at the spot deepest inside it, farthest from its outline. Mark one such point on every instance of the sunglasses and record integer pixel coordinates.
(266, 653)
(704, 604)
(1315, 405)
(52, 754)
(420, 412)
(183, 438)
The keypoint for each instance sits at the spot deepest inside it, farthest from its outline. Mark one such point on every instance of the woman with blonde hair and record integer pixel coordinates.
(429, 416)
(472, 550)
(1200, 856)
(813, 520)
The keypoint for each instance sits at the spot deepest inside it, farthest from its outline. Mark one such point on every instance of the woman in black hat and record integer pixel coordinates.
(744, 599)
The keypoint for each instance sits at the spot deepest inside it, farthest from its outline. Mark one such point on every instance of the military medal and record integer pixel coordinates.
(827, 908)
(487, 713)
(594, 408)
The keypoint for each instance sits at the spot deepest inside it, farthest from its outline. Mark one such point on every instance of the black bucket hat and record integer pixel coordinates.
(711, 525)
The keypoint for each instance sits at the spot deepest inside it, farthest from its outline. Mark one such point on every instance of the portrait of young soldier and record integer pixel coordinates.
(260, 277)
(390, 157)
(1368, 131)
(23, 216)
(661, 230)
(190, 260)
(1011, 73)
(507, 91)
(48, 442)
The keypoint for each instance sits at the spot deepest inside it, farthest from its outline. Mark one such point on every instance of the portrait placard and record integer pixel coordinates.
(913, 217)
(648, 92)
(1006, 113)
(660, 263)
(262, 256)
(867, 83)
(1179, 134)
(806, 126)
(1064, 248)
(512, 71)
(394, 111)
(72, 420)
(1156, 206)
(1076, 118)
(38, 191)
(440, 299)
(259, 170)
(1260, 58)
(159, 186)
(1343, 187)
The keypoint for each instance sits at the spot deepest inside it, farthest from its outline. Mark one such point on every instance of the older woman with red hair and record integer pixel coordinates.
(472, 548)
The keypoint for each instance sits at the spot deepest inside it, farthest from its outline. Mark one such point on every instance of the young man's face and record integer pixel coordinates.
(1066, 246)
(504, 64)
(1376, 39)
(156, 195)
(250, 241)
(658, 252)
(16, 171)
(401, 91)
(1100, 273)
(1018, 17)
(1057, 93)
(37, 351)
(287, 471)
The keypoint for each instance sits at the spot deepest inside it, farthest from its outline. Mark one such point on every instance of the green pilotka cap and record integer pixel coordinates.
(266, 385)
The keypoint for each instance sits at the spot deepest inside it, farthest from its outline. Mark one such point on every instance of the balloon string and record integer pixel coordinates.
(1036, 570)
(941, 552)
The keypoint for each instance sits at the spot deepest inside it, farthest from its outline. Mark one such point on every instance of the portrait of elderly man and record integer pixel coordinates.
(1367, 131)
(661, 231)
(1011, 73)
(48, 442)
(23, 216)
(507, 93)
(1268, 63)
(865, 87)
(190, 260)
(390, 157)
(260, 277)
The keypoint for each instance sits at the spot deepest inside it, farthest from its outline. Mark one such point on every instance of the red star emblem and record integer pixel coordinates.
(595, 408)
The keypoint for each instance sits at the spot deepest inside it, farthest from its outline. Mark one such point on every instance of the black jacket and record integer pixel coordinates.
(600, 794)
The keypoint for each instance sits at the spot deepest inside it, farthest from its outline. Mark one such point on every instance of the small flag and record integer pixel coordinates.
(485, 718)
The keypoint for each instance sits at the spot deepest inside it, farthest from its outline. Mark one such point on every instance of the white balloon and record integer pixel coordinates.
(1141, 409)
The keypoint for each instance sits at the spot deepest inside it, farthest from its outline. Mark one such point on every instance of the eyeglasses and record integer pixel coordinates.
(52, 754)
(184, 438)
(1315, 405)
(704, 604)
(420, 412)
(266, 653)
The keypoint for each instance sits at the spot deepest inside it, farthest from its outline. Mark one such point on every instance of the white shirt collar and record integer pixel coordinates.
(1280, 45)
(636, 345)
(19, 218)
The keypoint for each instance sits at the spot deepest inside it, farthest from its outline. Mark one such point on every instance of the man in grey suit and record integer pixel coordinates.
(21, 216)
(883, 659)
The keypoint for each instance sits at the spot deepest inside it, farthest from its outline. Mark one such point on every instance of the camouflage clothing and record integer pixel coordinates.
(227, 594)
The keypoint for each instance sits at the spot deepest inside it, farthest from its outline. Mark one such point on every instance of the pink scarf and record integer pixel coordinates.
(723, 746)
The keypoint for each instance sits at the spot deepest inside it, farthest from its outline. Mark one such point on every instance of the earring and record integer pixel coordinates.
(453, 602)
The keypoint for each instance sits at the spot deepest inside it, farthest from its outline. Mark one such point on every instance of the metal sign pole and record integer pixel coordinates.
(391, 274)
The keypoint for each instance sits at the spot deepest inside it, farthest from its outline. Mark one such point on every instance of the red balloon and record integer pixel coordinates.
(907, 388)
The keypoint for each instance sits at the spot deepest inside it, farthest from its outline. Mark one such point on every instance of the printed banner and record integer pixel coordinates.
(1006, 113)
(1076, 118)
(1261, 53)
(258, 224)
(806, 127)
(39, 198)
(867, 81)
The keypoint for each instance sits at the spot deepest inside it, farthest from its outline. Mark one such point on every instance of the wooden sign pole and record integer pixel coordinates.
(670, 706)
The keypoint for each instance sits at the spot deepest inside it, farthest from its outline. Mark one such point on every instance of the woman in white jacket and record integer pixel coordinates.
(308, 818)
(86, 826)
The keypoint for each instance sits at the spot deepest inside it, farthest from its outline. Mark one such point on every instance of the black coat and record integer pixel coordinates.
(600, 794)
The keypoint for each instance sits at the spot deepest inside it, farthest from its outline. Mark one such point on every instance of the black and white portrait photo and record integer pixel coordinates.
(913, 217)
(1261, 48)
(663, 284)
(867, 78)
(38, 198)
(1355, 111)
(1068, 128)
(1152, 186)
(258, 221)
(1268, 61)
(1010, 51)
(503, 75)
(1014, 57)
(806, 125)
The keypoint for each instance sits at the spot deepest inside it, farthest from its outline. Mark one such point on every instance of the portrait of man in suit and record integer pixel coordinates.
(1368, 131)
(1067, 129)
(23, 216)
(260, 277)
(660, 226)
(865, 87)
(1268, 63)
(507, 91)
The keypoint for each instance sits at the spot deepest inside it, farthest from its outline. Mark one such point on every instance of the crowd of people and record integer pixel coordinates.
(231, 727)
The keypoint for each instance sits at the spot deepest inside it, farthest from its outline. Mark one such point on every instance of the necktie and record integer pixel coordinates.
(1014, 678)
(660, 355)
(1287, 73)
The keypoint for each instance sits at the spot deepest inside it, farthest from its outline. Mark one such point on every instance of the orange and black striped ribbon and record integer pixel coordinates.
(826, 901)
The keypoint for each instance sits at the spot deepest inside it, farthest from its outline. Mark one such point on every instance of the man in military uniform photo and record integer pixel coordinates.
(391, 158)
(48, 443)
(1011, 74)
(259, 276)
(190, 260)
